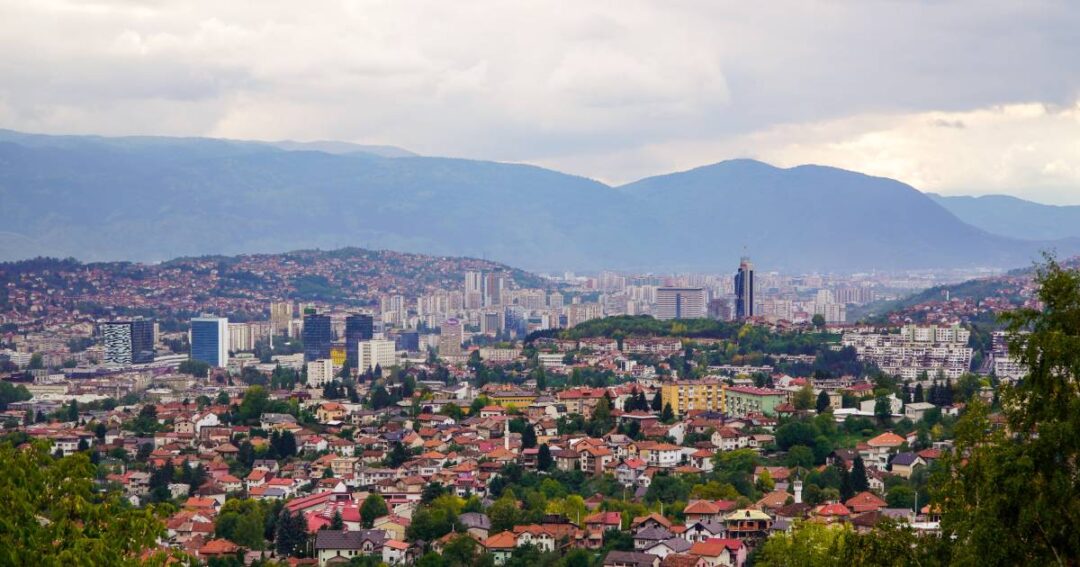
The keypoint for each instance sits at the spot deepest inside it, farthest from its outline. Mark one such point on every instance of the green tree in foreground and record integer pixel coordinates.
(1011, 495)
(51, 515)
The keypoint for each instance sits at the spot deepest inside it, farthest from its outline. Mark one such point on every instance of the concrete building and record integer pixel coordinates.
(689, 395)
(680, 303)
(320, 372)
(128, 342)
(450, 338)
(744, 290)
(376, 352)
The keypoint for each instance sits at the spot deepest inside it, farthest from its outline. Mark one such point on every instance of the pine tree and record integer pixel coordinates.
(544, 460)
(859, 482)
(668, 414)
(336, 522)
(528, 437)
(822, 401)
(919, 394)
(657, 402)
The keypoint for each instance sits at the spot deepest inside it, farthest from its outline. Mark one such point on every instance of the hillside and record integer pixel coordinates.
(1013, 217)
(151, 199)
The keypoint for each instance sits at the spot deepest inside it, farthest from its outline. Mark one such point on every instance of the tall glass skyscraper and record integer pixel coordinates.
(357, 328)
(318, 336)
(210, 340)
(128, 342)
(744, 290)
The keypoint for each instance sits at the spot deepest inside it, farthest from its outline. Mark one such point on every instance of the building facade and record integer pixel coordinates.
(680, 303)
(744, 290)
(318, 336)
(358, 328)
(210, 340)
(128, 342)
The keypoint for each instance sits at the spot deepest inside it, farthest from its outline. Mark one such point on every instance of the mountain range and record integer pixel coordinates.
(153, 198)
(1014, 217)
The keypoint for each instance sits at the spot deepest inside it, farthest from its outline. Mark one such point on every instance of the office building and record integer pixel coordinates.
(318, 336)
(744, 290)
(491, 323)
(408, 341)
(474, 290)
(128, 342)
(320, 373)
(450, 338)
(209, 338)
(376, 353)
(357, 328)
(680, 303)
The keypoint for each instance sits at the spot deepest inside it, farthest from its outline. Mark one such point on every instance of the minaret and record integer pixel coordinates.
(506, 433)
(798, 491)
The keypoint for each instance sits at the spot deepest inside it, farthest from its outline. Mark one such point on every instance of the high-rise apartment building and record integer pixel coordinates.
(128, 342)
(450, 338)
(281, 313)
(474, 290)
(209, 338)
(318, 336)
(320, 373)
(376, 353)
(680, 303)
(744, 290)
(493, 288)
(357, 328)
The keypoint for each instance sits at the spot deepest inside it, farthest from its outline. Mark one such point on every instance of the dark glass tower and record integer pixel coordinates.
(744, 290)
(318, 335)
(357, 328)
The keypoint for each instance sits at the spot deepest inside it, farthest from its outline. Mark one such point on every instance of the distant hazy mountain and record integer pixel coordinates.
(1010, 216)
(153, 199)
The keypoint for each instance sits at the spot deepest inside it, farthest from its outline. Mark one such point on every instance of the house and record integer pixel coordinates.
(394, 552)
(670, 546)
(720, 552)
(683, 560)
(645, 538)
(904, 464)
(876, 452)
(746, 523)
(476, 524)
(218, 548)
(629, 471)
(500, 546)
(630, 559)
(865, 502)
(330, 411)
(702, 531)
(915, 411)
(338, 547)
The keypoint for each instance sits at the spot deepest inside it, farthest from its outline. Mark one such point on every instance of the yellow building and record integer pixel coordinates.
(690, 395)
(518, 399)
(337, 354)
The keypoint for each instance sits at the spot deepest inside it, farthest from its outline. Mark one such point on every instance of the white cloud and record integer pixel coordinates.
(946, 96)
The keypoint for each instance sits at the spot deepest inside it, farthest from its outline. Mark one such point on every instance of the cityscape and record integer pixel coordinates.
(465, 285)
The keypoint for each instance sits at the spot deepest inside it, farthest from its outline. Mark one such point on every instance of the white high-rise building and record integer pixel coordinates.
(320, 372)
(376, 352)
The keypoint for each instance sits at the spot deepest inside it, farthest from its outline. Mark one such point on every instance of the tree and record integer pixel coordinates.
(528, 437)
(255, 401)
(822, 401)
(544, 460)
(373, 507)
(53, 515)
(657, 402)
(504, 512)
(883, 409)
(901, 496)
(1009, 496)
(291, 533)
(804, 398)
(765, 482)
(859, 481)
(917, 397)
(37, 362)
(818, 321)
(336, 521)
(668, 414)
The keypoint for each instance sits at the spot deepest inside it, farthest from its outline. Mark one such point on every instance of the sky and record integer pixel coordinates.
(952, 97)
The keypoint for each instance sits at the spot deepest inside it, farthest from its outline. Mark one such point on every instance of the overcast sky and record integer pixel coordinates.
(954, 97)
